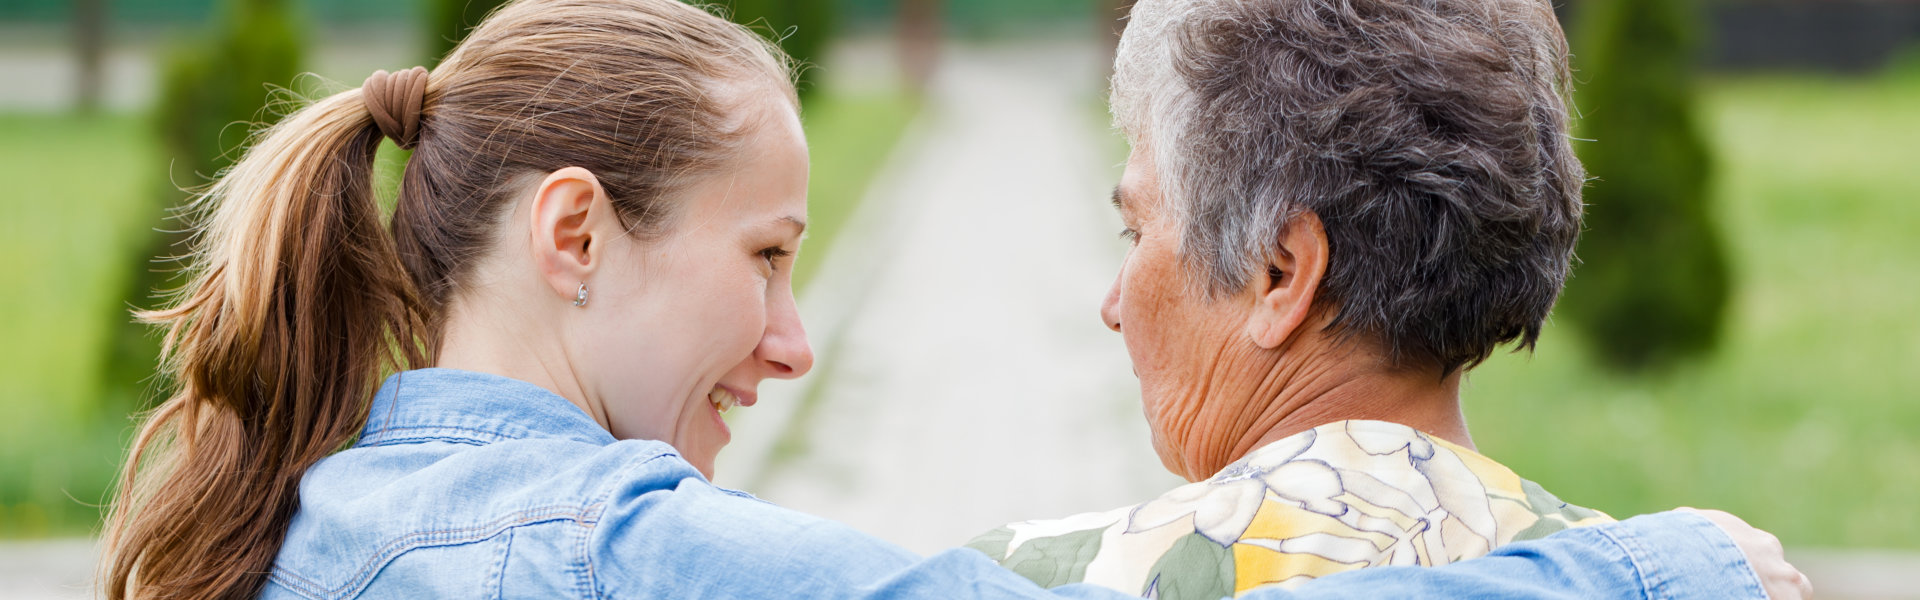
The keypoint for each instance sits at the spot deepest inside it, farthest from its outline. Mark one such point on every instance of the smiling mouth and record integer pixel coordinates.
(722, 400)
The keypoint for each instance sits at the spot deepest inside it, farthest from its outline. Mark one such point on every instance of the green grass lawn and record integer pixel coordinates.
(65, 223)
(848, 137)
(1807, 420)
(74, 202)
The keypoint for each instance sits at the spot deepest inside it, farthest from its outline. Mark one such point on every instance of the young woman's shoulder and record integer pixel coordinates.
(432, 517)
(699, 540)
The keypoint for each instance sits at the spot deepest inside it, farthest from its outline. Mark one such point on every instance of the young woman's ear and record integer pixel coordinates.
(1283, 295)
(567, 223)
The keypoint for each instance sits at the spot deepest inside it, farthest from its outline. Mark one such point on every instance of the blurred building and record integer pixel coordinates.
(1821, 35)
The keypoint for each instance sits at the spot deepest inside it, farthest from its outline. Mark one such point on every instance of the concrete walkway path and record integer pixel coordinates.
(47, 569)
(975, 384)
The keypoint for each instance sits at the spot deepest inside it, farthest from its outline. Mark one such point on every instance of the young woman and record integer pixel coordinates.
(591, 248)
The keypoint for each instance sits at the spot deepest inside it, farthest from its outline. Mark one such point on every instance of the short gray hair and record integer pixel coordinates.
(1429, 136)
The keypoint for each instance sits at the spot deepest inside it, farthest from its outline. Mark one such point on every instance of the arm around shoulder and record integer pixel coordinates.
(1666, 555)
(709, 543)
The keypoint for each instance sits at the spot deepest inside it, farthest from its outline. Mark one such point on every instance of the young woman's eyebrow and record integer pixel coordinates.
(799, 224)
(789, 223)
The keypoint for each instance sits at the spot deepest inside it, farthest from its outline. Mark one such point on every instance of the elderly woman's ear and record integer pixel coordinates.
(1283, 297)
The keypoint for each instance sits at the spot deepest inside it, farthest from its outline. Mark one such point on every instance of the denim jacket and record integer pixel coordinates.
(467, 485)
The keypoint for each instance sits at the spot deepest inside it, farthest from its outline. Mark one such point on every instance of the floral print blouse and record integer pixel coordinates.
(1341, 496)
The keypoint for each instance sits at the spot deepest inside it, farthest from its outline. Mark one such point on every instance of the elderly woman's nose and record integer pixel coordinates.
(1110, 307)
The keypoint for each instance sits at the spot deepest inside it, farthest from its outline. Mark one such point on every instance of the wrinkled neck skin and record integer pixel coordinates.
(1252, 397)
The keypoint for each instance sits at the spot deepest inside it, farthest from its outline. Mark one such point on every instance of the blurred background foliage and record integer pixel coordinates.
(211, 87)
(1652, 282)
(1804, 417)
(801, 27)
(448, 21)
(1757, 195)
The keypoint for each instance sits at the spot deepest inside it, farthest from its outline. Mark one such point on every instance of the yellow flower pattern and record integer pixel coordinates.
(1341, 496)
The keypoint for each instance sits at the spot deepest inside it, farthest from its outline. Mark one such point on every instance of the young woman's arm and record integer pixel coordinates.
(1666, 555)
(695, 542)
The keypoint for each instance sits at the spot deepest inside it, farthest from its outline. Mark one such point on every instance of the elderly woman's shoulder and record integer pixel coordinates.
(1342, 496)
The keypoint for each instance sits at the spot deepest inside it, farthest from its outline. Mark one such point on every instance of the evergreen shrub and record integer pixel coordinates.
(214, 92)
(1653, 280)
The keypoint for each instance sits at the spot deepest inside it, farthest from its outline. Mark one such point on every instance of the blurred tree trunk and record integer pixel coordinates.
(920, 30)
(89, 44)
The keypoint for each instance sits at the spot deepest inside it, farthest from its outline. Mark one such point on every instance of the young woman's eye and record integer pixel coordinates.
(1130, 235)
(774, 254)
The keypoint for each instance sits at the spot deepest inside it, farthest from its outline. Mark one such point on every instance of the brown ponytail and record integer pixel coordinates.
(296, 305)
(299, 301)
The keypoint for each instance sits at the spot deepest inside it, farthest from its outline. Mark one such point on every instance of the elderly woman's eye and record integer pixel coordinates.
(1130, 235)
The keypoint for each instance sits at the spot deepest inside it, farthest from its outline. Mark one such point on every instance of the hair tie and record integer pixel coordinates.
(395, 100)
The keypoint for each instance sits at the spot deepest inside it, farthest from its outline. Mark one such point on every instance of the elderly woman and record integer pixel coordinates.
(1336, 210)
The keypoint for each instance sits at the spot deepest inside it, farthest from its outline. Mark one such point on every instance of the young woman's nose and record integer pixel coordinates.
(784, 346)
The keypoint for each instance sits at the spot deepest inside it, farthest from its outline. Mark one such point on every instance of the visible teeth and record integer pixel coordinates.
(722, 400)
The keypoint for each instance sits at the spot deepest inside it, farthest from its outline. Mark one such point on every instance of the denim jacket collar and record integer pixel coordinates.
(474, 408)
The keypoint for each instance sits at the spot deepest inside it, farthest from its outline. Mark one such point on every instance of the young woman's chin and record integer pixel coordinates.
(702, 443)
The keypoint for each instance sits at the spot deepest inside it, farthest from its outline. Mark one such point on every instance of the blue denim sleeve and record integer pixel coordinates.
(700, 543)
(1653, 557)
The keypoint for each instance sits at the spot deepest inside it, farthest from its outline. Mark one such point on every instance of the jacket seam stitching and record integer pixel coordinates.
(427, 539)
(1647, 588)
(500, 565)
(598, 511)
(385, 435)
